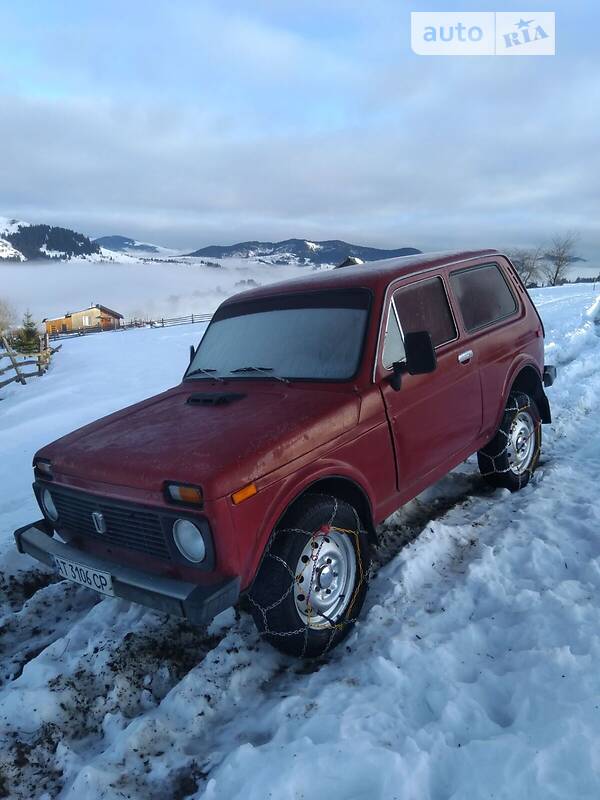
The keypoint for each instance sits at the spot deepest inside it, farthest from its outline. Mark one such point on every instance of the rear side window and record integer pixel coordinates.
(423, 306)
(483, 295)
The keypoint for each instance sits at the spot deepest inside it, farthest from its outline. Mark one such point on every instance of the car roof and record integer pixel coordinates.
(372, 274)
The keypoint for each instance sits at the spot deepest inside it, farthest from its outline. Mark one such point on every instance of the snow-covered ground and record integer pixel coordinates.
(472, 674)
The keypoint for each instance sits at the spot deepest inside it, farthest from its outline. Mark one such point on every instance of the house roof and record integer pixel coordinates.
(108, 311)
(99, 306)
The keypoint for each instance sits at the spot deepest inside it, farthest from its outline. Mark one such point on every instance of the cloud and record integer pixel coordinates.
(272, 128)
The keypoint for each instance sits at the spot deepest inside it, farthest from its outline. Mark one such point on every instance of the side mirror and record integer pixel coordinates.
(192, 352)
(420, 353)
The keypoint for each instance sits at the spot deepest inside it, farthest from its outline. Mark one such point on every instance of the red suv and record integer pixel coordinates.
(310, 411)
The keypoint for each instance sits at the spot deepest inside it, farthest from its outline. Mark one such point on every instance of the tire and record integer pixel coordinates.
(313, 579)
(510, 459)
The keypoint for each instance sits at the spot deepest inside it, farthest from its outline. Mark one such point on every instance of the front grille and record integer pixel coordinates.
(126, 526)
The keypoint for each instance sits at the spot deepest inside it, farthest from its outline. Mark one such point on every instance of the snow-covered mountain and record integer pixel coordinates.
(301, 251)
(289, 251)
(123, 244)
(22, 241)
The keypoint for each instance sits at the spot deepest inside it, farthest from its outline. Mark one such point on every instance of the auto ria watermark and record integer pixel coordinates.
(483, 33)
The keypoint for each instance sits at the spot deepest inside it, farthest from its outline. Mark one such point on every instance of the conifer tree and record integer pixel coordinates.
(27, 339)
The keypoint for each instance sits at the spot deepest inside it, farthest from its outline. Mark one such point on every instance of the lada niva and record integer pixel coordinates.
(310, 411)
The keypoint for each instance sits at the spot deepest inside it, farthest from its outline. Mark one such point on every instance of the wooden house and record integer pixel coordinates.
(96, 317)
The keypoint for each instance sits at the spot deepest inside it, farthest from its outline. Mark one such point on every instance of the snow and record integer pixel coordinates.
(51, 253)
(472, 673)
(8, 225)
(8, 251)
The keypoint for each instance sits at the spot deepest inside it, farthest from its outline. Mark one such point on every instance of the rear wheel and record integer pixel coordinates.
(313, 580)
(511, 457)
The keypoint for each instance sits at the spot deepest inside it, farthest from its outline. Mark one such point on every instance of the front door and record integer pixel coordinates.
(436, 416)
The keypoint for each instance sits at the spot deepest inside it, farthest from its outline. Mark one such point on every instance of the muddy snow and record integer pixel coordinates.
(472, 674)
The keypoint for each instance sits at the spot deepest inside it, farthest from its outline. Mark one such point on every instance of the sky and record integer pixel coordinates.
(194, 123)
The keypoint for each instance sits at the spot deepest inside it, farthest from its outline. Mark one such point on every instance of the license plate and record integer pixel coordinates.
(78, 573)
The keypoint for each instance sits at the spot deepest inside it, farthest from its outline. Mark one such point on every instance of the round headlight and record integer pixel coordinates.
(189, 540)
(48, 506)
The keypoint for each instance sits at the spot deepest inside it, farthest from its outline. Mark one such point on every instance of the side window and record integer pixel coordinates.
(483, 295)
(393, 346)
(423, 306)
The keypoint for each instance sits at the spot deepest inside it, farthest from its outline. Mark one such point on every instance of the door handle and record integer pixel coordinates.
(465, 357)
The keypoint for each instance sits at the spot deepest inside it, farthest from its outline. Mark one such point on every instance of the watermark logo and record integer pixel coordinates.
(483, 33)
(525, 34)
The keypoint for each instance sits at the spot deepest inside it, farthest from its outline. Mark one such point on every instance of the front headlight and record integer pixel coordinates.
(189, 540)
(48, 506)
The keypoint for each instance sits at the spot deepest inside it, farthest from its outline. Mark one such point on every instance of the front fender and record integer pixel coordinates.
(513, 380)
(263, 512)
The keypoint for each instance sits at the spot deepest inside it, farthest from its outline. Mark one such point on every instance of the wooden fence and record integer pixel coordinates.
(19, 362)
(192, 319)
(163, 322)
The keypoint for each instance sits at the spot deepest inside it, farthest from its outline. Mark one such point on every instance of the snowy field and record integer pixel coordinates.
(474, 672)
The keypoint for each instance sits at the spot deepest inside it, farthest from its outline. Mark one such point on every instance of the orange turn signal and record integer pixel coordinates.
(243, 494)
(185, 494)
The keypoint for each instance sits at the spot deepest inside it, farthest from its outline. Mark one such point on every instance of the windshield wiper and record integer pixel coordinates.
(202, 371)
(262, 370)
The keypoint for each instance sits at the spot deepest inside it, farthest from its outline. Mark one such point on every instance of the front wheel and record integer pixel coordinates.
(510, 459)
(313, 579)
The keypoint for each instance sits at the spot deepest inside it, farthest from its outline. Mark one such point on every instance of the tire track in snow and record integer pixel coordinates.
(99, 676)
(46, 616)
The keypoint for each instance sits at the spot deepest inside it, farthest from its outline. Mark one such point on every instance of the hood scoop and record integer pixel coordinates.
(213, 398)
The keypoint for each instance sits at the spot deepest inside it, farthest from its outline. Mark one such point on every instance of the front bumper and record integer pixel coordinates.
(199, 604)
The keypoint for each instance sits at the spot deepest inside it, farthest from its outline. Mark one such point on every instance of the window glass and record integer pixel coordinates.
(318, 336)
(423, 306)
(393, 346)
(483, 295)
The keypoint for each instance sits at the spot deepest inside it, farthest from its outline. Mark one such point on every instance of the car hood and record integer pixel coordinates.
(219, 445)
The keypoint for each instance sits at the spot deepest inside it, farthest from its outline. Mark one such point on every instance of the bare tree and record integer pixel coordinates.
(528, 263)
(8, 316)
(559, 257)
(138, 316)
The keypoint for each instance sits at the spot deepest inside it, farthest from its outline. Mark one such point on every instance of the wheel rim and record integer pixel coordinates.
(521, 442)
(325, 578)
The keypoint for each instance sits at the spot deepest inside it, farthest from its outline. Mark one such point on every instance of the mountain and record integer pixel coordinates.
(301, 251)
(123, 244)
(21, 241)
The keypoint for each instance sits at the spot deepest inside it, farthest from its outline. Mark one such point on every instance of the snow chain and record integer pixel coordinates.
(495, 470)
(319, 537)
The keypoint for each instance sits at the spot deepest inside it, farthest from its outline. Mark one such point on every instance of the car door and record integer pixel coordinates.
(433, 417)
(490, 311)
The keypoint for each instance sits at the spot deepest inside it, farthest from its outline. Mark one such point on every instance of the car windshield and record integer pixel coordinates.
(316, 336)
